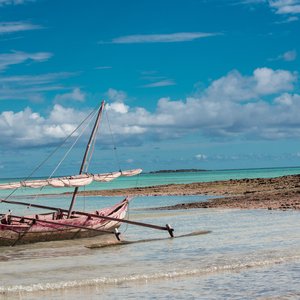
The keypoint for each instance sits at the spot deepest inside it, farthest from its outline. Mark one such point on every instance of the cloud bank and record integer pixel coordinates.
(28, 129)
(263, 105)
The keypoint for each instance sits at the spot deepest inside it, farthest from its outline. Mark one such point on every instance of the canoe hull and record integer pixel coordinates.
(18, 233)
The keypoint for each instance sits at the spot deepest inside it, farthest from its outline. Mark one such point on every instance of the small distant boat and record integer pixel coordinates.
(62, 224)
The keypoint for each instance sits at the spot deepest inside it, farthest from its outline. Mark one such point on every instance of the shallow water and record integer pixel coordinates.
(146, 179)
(249, 254)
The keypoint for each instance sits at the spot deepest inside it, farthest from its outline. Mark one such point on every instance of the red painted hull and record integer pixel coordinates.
(16, 233)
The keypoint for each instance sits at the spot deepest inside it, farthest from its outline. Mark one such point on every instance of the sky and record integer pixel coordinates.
(206, 84)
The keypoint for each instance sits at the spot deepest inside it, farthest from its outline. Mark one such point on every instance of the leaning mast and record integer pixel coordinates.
(87, 153)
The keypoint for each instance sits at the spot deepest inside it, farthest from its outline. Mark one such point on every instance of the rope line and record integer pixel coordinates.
(70, 149)
(113, 141)
(54, 151)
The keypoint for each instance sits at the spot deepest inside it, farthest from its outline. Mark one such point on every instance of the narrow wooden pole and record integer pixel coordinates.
(122, 220)
(167, 227)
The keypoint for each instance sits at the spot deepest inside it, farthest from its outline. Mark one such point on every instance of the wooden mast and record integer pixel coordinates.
(87, 152)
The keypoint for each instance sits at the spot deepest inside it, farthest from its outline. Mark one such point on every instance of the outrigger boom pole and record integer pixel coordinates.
(166, 228)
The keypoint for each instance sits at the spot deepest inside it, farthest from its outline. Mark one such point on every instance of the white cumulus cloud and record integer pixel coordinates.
(263, 81)
(115, 95)
(27, 128)
(118, 107)
(290, 55)
(75, 95)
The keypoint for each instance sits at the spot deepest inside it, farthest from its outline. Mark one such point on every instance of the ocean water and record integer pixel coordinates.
(148, 179)
(247, 254)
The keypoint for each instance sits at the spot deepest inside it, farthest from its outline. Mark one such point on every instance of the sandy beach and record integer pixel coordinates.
(261, 193)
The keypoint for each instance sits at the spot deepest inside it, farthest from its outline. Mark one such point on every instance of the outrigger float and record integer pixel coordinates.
(61, 223)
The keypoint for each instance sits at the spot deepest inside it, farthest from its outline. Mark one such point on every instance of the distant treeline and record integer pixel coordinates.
(175, 171)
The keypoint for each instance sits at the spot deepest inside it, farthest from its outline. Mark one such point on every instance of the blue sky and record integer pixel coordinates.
(189, 84)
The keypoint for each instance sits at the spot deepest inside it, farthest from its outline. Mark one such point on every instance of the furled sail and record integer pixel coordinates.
(56, 182)
(34, 183)
(73, 181)
(131, 172)
(106, 176)
(69, 181)
(9, 186)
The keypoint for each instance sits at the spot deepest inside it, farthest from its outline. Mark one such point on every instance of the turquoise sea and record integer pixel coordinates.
(248, 254)
(151, 179)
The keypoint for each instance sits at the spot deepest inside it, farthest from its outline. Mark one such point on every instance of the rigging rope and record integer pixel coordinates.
(118, 163)
(84, 199)
(70, 149)
(126, 218)
(54, 151)
(113, 141)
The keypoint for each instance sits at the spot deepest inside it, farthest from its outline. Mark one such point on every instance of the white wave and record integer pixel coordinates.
(142, 277)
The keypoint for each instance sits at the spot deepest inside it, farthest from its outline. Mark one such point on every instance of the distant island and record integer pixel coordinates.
(177, 171)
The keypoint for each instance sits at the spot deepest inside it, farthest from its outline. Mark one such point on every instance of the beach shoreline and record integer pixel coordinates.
(260, 193)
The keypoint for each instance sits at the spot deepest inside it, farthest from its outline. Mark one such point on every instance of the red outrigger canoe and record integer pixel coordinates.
(15, 230)
(63, 224)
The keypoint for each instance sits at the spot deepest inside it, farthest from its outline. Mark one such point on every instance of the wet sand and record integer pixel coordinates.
(261, 193)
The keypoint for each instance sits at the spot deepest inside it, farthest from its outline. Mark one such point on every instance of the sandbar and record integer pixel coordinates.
(260, 193)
